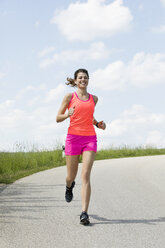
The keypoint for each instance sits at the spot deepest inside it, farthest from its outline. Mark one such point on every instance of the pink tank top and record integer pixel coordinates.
(81, 122)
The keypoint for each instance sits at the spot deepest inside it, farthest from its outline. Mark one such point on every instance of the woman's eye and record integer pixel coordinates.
(82, 78)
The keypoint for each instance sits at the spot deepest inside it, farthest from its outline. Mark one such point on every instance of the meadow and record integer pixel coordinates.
(15, 165)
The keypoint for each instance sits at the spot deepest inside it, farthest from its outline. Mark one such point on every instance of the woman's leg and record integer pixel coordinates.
(72, 168)
(88, 159)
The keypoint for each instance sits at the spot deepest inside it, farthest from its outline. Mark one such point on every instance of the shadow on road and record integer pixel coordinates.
(104, 221)
(25, 201)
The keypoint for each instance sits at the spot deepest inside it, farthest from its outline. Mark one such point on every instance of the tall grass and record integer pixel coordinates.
(128, 152)
(15, 165)
(19, 164)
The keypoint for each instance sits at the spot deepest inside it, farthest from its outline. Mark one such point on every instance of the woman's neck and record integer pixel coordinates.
(82, 92)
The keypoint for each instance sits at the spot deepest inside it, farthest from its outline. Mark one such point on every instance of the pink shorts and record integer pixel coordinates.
(76, 144)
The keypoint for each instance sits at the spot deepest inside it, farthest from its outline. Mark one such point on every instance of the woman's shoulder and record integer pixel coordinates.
(68, 97)
(95, 98)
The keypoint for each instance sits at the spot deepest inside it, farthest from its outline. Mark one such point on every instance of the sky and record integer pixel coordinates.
(119, 42)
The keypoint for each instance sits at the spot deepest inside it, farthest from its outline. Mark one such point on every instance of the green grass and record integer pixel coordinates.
(20, 164)
(15, 165)
(128, 152)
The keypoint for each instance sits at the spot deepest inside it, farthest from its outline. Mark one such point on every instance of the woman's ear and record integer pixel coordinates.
(75, 81)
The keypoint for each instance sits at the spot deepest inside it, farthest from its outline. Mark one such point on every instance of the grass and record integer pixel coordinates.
(15, 165)
(128, 152)
(20, 164)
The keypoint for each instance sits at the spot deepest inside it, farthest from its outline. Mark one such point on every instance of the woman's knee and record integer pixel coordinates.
(85, 177)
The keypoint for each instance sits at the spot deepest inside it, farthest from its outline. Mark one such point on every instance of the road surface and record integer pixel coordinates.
(127, 208)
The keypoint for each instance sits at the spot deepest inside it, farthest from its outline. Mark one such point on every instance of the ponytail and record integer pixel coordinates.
(71, 82)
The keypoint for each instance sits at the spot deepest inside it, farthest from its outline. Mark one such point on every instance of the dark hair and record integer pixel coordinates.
(71, 81)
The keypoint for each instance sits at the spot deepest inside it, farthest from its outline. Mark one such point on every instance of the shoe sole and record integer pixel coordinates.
(84, 222)
(69, 200)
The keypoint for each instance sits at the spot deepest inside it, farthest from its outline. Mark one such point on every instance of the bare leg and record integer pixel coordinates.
(72, 168)
(88, 159)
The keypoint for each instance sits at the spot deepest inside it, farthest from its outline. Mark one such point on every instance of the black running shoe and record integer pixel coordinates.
(68, 192)
(84, 218)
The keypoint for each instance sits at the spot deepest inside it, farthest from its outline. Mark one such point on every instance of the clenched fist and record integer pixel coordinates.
(71, 111)
(102, 125)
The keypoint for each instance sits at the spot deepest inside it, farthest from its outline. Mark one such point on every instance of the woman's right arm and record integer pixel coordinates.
(61, 115)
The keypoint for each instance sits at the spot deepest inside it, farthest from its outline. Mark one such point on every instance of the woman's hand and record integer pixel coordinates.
(71, 111)
(101, 125)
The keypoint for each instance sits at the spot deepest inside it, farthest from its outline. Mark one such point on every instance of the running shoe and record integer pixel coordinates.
(84, 218)
(69, 193)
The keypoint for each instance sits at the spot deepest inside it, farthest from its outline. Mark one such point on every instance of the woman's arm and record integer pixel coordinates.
(99, 124)
(95, 98)
(61, 115)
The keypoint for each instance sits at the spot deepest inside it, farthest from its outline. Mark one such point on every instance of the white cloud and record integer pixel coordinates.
(2, 75)
(5, 105)
(37, 23)
(110, 78)
(136, 115)
(96, 51)
(155, 137)
(12, 119)
(163, 2)
(35, 126)
(142, 71)
(135, 126)
(30, 88)
(24, 91)
(34, 100)
(88, 20)
(54, 94)
(147, 69)
(160, 29)
(141, 6)
(46, 51)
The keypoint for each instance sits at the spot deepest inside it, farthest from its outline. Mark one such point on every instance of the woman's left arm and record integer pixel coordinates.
(99, 124)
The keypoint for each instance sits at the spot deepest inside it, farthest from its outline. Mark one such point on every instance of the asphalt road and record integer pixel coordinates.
(127, 208)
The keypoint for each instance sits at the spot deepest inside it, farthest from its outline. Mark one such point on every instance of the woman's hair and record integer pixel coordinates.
(71, 81)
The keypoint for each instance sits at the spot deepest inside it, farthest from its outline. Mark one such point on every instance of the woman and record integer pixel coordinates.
(81, 137)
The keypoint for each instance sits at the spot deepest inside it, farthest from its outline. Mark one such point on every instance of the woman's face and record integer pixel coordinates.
(82, 80)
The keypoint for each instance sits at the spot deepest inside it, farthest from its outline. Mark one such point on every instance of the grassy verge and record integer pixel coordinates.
(128, 152)
(20, 164)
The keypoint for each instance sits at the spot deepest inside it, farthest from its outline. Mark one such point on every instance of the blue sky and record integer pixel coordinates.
(121, 43)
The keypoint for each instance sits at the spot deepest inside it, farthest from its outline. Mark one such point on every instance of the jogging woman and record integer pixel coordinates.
(81, 137)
